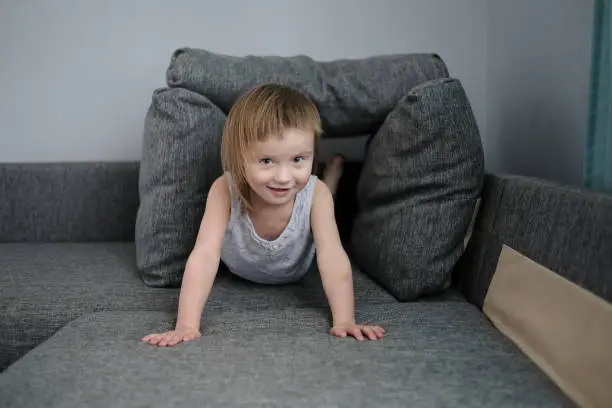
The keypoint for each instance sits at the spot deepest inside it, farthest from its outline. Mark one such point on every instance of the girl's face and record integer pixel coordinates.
(281, 166)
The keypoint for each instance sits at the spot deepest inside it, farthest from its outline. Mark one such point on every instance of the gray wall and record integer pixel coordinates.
(76, 77)
(538, 55)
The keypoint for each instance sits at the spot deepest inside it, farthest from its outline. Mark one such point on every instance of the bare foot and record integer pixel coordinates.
(333, 172)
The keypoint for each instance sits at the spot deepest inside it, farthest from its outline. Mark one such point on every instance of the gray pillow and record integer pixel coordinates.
(422, 175)
(181, 158)
(183, 127)
(353, 95)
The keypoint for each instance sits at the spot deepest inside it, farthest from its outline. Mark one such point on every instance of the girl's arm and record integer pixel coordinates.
(333, 262)
(200, 270)
(203, 262)
(335, 269)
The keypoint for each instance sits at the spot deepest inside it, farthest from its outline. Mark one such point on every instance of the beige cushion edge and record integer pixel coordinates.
(508, 290)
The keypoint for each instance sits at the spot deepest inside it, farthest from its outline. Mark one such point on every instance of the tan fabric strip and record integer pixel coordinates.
(565, 329)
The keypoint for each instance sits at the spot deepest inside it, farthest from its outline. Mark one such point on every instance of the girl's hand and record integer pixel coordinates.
(172, 337)
(358, 331)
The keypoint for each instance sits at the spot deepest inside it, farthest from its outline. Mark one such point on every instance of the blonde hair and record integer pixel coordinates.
(259, 114)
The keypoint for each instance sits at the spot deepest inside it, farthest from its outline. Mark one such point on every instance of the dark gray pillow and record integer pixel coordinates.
(422, 175)
(353, 95)
(181, 158)
(183, 127)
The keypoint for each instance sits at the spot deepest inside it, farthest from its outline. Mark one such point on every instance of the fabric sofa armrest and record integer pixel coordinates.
(538, 265)
(565, 228)
(53, 202)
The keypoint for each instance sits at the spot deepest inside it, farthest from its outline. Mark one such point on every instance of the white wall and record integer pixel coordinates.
(76, 76)
(538, 55)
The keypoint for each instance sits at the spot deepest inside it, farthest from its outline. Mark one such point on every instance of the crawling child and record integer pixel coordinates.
(268, 217)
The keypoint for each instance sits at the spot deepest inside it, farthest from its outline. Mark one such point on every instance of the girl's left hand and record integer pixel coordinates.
(358, 331)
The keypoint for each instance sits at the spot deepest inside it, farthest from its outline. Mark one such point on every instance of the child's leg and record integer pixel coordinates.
(333, 172)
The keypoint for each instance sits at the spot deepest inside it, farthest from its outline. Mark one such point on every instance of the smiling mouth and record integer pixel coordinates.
(279, 191)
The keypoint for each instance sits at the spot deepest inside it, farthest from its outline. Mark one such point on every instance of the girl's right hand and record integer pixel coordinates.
(172, 337)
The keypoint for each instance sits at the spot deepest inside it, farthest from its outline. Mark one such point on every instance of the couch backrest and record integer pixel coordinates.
(565, 229)
(53, 202)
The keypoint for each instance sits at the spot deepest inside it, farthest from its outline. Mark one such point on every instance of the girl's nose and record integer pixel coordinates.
(282, 175)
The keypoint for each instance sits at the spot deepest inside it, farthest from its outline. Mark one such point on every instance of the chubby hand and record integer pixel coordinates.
(172, 337)
(358, 331)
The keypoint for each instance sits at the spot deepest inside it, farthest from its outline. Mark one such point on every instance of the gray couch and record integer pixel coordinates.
(92, 254)
(73, 309)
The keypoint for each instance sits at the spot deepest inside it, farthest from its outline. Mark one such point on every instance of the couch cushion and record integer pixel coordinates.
(424, 170)
(44, 286)
(441, 354)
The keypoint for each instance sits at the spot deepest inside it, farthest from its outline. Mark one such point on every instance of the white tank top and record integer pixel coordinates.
(283, 260)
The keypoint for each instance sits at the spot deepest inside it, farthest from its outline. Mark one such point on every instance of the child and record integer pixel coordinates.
(268, 215)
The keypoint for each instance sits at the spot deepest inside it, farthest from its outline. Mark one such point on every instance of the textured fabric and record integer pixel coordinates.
(282, 260)
(597, 172)
(434, 354)
(181, 158)
(68, 201)
(566, 229)
(422, 176)
(564, 329)
(353, 95)
(44, 286)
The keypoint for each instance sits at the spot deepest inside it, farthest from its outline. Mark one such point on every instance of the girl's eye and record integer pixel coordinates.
(299, 159)
(265, 161)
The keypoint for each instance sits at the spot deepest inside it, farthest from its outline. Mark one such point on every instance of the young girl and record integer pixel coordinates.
(268, 216)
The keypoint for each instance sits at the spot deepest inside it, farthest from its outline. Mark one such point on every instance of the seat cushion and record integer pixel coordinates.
(44, 286)
(442, 354)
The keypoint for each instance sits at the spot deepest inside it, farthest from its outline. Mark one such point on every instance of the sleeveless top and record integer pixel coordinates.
(282, 260)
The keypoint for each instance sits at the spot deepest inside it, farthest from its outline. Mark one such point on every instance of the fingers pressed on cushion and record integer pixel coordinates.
(356, 332)
(339, 332)
(370, 333)
(155, 339)
(174, 340)
(166, 338)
